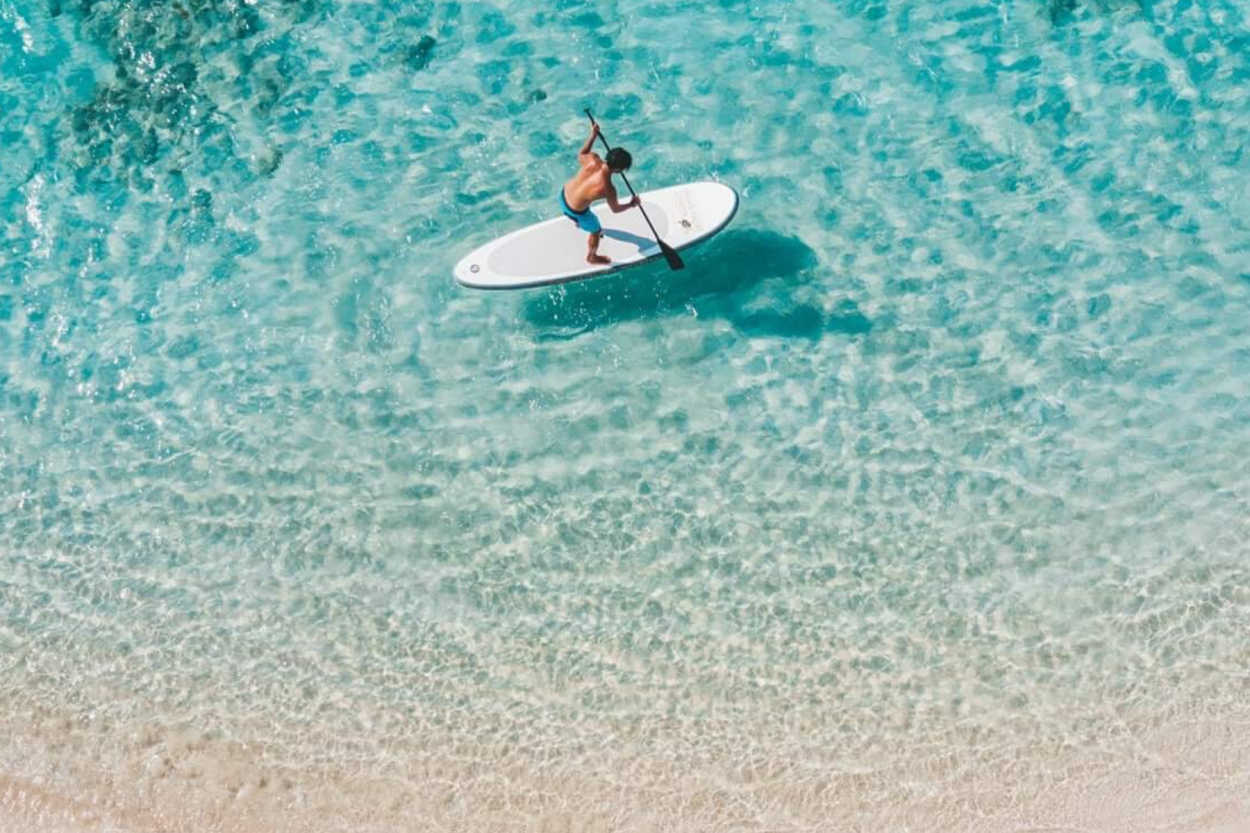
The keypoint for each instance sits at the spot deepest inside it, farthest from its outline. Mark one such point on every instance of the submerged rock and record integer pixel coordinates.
(269, 162)
(418, 55)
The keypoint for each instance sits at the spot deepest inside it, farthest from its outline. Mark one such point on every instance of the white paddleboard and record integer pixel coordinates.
(554, 251)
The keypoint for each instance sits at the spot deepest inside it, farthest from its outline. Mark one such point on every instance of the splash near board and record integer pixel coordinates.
(554, 251)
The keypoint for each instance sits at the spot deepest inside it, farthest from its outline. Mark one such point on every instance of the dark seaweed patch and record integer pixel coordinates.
(162, 102)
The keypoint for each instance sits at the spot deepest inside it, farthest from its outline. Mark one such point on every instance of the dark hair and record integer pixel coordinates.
(618, 159)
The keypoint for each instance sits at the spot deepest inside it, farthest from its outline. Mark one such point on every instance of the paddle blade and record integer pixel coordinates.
(670, 254)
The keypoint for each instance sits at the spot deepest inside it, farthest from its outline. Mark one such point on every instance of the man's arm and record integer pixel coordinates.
(590, 143)
(614, 203)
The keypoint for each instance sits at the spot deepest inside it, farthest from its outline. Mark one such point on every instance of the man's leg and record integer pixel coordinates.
(592, 255)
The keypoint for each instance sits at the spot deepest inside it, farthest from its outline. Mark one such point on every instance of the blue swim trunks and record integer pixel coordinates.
(586, 220)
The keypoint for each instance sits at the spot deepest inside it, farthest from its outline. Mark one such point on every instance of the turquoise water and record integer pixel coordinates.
(920, 497)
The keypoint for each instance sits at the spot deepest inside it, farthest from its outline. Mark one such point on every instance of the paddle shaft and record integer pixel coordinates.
(670, 254)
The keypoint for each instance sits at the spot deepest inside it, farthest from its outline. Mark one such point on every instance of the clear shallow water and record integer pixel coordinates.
(922, 491)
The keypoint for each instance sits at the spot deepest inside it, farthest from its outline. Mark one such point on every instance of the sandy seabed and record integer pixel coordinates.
(1185, 776)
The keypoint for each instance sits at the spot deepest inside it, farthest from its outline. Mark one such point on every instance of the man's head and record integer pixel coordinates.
(618, 160)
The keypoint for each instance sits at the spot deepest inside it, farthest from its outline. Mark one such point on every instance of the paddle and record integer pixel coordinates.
(670, 254)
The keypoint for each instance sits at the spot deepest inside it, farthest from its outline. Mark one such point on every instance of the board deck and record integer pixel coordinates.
(554, 251)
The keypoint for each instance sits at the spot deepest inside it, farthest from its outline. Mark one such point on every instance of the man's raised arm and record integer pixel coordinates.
(590, 143)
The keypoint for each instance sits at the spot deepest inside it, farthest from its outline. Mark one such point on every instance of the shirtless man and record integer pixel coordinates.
(594, 182)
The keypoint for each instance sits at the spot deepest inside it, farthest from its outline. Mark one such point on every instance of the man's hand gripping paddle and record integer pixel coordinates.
(670, 254)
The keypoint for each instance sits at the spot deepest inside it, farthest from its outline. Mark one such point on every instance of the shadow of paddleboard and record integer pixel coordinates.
(720, 279)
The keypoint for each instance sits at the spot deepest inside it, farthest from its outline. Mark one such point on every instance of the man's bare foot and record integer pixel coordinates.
(598, 260)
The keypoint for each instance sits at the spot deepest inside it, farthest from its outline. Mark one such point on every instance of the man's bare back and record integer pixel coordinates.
(594, 182)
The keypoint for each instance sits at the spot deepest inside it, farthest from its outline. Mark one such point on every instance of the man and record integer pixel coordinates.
(594, 182)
